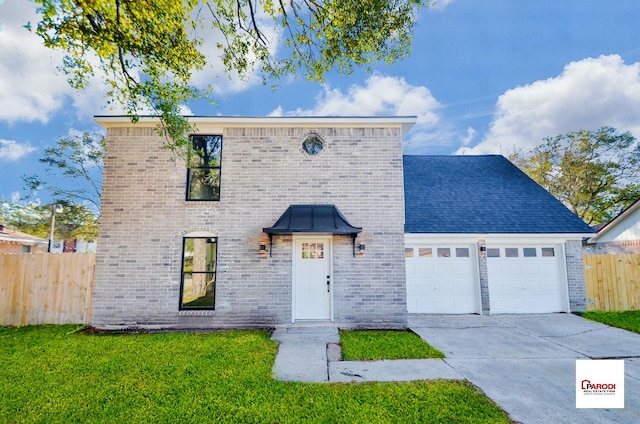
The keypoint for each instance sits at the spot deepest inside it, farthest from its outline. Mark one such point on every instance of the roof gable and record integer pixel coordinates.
(480, 195)
(624, 227)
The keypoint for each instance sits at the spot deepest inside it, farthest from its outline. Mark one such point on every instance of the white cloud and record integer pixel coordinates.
(93, 100)
(214, 73)
(441, 4)
(471, 133)
(383, 96)
(588, 94)
(31, 89)
(380, 95)
(11, 150)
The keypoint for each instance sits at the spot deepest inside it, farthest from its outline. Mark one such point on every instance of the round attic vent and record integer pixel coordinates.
(312, 144)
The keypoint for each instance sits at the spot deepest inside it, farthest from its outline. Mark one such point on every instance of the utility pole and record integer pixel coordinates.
(54, 209)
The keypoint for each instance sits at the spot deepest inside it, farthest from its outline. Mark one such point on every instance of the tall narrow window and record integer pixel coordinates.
(203, 175)
(198, 273)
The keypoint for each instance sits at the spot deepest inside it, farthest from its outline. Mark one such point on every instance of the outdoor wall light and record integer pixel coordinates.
(263, 249)
(361, 248)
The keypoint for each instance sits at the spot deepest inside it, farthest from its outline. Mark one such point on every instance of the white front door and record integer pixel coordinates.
(312, 285)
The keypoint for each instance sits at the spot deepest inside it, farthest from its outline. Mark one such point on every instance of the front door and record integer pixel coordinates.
(312, 285)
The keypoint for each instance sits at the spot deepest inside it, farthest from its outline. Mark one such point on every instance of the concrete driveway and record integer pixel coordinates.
(527, 363)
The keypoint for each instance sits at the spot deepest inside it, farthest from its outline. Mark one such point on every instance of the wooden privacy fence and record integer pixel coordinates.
(43, 288)
(46, 288)
(612, 282)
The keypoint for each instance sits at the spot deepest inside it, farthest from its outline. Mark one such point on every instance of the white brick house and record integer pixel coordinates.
(199, 248)
(298, 220)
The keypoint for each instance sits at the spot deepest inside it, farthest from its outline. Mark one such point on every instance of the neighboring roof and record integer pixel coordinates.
(618, 220)
(15, 236)
(216, 123)
(480, 195)
(312, 219)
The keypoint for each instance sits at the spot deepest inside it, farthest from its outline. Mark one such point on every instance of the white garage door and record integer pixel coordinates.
(526, 279)
(442, 279)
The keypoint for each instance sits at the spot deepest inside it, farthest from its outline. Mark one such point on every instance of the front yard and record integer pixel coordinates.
(59, 374)
(627, 320)
(372, 345)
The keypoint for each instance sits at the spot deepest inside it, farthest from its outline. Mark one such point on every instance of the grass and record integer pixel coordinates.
(627, 320)
(55, 374)
(384, 344)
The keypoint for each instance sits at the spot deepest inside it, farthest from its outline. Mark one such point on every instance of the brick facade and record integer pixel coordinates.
(575, 276)
(145, 217)
(484, 276)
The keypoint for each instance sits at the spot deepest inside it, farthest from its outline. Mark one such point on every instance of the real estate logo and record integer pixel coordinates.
(598, 388)
(599, 384)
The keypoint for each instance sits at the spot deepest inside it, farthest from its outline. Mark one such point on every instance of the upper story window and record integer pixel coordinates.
(203, 175)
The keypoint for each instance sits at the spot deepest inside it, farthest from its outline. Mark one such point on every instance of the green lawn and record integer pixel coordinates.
(628, 320)
(54, 374)
(383, 344)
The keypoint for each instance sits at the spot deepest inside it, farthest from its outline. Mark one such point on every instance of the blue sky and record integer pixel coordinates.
(484, 76)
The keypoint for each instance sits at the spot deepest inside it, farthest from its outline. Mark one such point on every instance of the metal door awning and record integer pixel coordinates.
(313, 219)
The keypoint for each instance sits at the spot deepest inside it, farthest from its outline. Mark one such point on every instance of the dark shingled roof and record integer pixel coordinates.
(480, 195)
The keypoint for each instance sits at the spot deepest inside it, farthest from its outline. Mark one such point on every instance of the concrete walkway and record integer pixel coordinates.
(525, 363)
(307, 354)
(302, 354)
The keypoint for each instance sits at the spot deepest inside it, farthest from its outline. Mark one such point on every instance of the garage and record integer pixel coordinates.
(442, 279)
(526, 278)
(530, 244)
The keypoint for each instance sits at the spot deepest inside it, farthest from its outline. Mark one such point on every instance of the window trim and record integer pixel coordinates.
(219, 168)
(511, 252)
(548, 252)
(182, 275)
(316, 151)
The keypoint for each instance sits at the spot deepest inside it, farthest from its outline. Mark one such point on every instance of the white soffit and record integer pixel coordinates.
(215, 123)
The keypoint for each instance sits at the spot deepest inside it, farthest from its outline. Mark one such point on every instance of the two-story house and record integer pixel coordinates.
(285, 220)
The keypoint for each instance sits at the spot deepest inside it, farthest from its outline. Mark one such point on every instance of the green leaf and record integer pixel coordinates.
(596, 174)
(148, 50)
